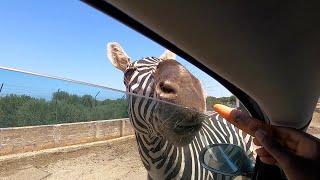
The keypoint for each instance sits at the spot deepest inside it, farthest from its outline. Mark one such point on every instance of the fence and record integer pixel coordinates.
(34, 138)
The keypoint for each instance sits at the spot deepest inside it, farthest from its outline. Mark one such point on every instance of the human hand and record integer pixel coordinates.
(296, 152)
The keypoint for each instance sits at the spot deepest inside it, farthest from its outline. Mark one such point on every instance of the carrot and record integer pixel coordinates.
(223, 110)
(242, 120)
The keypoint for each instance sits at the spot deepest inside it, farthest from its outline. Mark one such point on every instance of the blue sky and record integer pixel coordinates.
(68, 39)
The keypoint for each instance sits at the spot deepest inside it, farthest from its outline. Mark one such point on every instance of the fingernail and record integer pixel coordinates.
(260, 134)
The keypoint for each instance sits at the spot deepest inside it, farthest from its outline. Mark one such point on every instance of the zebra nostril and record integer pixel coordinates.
(166, 88)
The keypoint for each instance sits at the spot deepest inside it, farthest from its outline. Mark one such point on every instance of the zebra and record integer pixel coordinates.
(169, 141)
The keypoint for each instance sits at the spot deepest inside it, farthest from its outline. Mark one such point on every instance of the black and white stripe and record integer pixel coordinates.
(162, 159)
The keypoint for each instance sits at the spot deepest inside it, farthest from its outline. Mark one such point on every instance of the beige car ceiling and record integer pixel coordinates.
(271, 51)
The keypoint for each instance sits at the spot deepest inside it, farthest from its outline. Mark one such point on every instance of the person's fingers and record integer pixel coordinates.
(289, 133)
(268, 160)
(279, 153)
(265, 156)
(262, 152)
(256, 142)
(241, 120)
(298, 142)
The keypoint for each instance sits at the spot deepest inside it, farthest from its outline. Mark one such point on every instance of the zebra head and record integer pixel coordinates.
(165, 79)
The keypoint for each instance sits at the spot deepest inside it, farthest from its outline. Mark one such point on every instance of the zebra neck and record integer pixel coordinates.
(153, 146)
(161, 158)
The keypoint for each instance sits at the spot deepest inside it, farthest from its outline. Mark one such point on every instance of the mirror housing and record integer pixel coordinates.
(226, 159)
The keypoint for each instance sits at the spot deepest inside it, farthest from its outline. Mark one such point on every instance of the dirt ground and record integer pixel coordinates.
(314, 127)
(117, 161)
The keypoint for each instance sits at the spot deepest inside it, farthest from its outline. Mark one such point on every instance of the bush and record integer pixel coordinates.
(62, 108)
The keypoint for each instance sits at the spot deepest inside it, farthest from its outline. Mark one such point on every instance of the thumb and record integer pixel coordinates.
(276, 150)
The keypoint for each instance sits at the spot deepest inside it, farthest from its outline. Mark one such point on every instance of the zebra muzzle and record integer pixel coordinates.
(187, 129)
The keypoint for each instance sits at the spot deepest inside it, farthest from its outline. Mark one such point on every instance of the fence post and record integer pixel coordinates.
(95, 98)
(1, 87)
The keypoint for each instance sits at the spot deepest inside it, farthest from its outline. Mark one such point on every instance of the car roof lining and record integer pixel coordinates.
(272, 56)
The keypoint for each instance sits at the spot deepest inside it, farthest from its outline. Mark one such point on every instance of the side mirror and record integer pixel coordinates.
(226, 159)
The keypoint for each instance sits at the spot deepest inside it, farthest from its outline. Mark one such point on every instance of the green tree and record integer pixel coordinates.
(87, 100)
(62, 108)
(32, 112)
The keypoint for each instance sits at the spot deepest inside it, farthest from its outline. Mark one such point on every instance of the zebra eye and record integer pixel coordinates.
(129, 72)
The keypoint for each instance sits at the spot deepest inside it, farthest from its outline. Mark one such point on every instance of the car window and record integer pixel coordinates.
(82, 96)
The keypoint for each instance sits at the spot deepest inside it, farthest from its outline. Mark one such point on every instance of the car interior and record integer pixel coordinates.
(265, 53)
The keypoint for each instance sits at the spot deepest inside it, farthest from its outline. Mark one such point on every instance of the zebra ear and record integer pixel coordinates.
(168, 55)
(117, 56)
